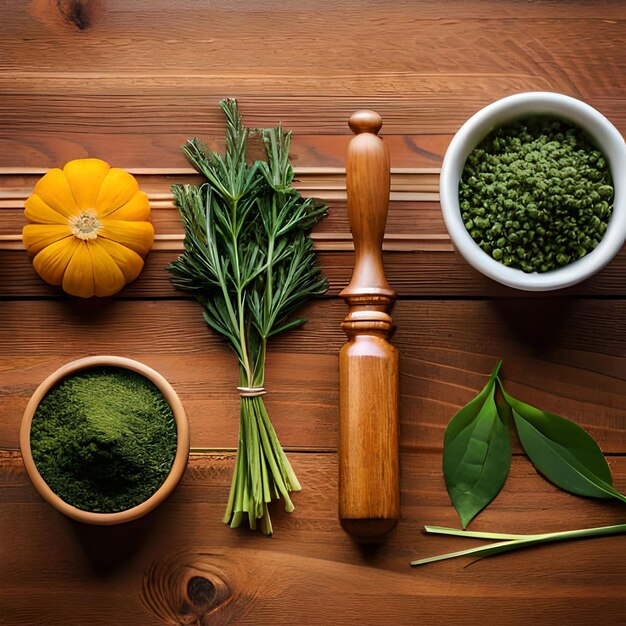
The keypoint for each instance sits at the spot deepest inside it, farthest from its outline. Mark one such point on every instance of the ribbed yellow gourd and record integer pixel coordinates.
(89, 231)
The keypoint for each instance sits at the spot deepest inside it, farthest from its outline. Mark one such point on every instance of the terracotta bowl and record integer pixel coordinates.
(180, 459)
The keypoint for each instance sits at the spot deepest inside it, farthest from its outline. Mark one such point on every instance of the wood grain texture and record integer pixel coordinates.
(128, 150)
(132, 71)
(181, 565)
(426, 273)
(130, 82)
(564, 355)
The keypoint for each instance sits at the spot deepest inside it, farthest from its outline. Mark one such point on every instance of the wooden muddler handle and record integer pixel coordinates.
(369, 498)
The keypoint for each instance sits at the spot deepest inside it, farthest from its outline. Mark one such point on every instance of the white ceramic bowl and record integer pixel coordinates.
(606, 137)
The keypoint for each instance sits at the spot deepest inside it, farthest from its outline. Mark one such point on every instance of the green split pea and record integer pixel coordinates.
(104, 440)
(536, 194)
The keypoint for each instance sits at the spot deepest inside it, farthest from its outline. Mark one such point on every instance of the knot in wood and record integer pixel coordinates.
(201, 591)
(185, 588)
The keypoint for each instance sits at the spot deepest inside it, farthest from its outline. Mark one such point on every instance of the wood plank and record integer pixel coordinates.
(415, 224)
(120, 85)
(182, 565)
(563, 355)
(140, 131)
(220, 40)
(429, 272)
(414, 206)
(407, 184)
(429, 9)
(406, 218)
(136, 150)
(197, 114)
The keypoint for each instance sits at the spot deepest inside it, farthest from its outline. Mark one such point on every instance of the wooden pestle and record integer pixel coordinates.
(369, 496)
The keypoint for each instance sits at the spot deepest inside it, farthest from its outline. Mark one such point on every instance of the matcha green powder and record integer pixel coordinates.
(536, 195)
(104, 440)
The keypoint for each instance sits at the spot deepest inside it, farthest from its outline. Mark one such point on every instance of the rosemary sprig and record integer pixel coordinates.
(249, 261)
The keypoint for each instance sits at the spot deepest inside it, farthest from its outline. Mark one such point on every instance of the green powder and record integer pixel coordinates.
(104, 440)
(536, 194)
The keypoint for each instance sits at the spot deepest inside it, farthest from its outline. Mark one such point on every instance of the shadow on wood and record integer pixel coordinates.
(536, 323)
(110, 548)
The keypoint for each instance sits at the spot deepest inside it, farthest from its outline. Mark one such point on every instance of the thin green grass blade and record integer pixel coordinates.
(508, 545)
(441, 530)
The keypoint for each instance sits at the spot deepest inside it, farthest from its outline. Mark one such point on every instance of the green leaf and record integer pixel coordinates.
(563, 452)
(476, 454)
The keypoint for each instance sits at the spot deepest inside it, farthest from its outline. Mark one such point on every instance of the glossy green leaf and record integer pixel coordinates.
(563, 452)
(476, 454)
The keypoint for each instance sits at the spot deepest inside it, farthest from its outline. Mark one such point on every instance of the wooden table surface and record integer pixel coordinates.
(129, 82)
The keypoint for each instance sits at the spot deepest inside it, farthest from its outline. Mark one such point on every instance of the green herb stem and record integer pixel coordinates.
(525, 541)
(476, 534)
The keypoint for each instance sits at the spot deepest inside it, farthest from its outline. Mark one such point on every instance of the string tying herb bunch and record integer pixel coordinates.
(249, 261)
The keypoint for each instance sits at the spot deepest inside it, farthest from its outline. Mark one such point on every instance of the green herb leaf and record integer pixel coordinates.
(563, 452)
(476, 453)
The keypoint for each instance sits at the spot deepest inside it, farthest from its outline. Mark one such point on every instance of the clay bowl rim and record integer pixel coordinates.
(182, 445)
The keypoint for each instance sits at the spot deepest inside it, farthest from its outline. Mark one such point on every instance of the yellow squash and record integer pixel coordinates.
(89, 231)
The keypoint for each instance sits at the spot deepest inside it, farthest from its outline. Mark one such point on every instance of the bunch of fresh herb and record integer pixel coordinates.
(536, 195)
(249, 261)
(477, 458)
